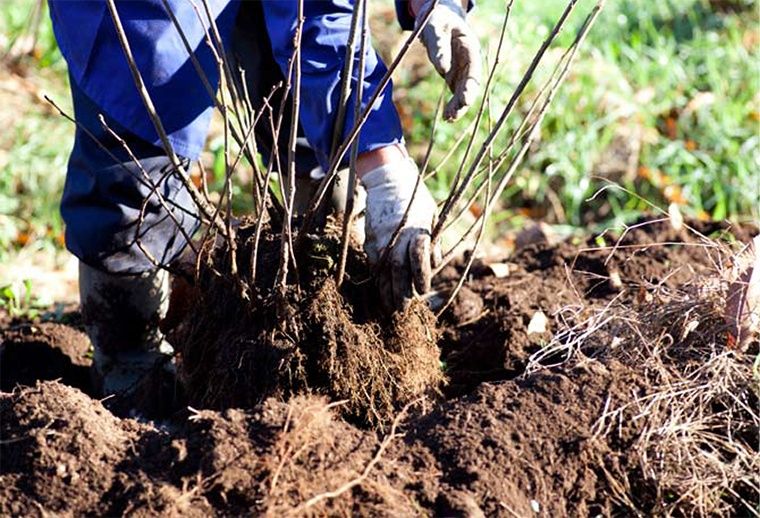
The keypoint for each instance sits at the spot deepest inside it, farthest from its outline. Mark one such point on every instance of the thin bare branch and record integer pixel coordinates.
(348, 216)
(457, 194)
(358, 125)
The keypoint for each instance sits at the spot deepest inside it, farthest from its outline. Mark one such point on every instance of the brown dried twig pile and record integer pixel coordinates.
(691, 424)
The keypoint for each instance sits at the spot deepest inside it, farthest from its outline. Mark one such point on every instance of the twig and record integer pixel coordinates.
(155, 191)
(109, 152)
(456, 195)
(243, 143)
(348, 215)
(345, 84)
(455, 182)
(288, 191)
(532, 132)
(358, 125)
(489, 180)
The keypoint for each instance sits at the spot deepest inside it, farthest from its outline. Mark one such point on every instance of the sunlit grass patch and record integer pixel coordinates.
(34, 141)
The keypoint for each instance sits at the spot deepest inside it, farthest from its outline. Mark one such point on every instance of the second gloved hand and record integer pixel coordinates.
(390, 190)
(454, 50)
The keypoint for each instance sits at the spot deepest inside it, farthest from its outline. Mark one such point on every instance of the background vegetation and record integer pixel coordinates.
(663, 101)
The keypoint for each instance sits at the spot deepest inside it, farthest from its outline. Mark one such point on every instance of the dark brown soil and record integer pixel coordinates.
(532, 440)
(566, 282)
(44, 351)
(568, 440)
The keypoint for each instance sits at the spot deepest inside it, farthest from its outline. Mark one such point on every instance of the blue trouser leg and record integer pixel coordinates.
(104, 194)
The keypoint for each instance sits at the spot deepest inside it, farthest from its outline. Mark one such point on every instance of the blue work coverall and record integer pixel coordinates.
(105, 189)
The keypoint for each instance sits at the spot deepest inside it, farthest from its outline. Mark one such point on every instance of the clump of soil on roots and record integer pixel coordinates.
(244, 341)
(630, 402)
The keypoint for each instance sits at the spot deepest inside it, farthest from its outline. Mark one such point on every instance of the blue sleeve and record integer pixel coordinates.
(325, 37)
(87, 37)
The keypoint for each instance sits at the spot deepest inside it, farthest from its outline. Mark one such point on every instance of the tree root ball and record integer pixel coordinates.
(374, 369)
(236, 352)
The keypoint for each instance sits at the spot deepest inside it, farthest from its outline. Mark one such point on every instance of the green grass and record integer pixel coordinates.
(680, 74)
(34, 142)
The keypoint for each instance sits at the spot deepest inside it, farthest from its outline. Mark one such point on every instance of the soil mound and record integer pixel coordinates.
(57, 447)
(527, 446)
(65, 453)
(293, 458)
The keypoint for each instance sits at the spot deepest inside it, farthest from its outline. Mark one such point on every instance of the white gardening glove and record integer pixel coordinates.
(390, 190)
(454, 50)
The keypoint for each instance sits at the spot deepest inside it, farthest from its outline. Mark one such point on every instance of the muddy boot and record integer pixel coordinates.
(132, 363)
(306, 188)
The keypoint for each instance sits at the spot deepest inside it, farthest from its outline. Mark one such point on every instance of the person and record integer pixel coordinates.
(123, 294)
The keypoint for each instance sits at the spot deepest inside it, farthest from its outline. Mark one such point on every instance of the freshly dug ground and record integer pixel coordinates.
(581, 380)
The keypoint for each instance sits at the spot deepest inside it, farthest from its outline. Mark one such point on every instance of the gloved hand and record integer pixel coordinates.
(390, 190)
(454, 50)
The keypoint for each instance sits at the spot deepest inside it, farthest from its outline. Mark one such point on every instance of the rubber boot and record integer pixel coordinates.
(132, 362)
